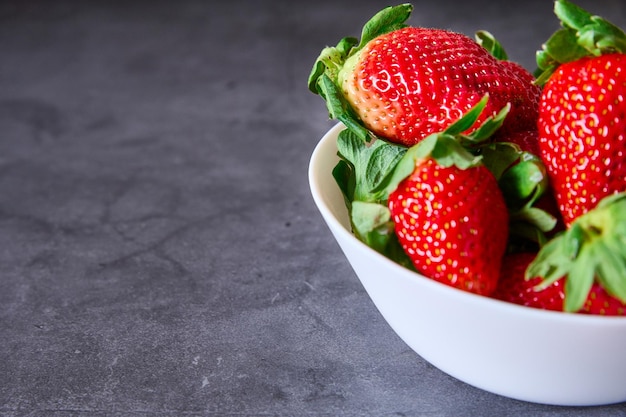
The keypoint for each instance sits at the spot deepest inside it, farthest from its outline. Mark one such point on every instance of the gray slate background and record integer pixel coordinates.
(160, 254)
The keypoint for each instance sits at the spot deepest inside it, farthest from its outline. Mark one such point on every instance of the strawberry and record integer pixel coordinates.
(581, 124)
(452, 222)
(403, 83)
(514, 288)
(450, 217)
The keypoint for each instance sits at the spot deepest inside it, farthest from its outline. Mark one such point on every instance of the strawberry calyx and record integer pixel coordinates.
(582, 34)
(590, 251)
(323, 79)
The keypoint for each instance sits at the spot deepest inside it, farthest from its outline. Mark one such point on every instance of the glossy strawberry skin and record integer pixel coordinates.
(582, 132)
(453, 224)
(513, 288)
(413, 82)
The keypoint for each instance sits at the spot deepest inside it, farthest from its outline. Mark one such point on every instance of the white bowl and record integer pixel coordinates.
(518, 352)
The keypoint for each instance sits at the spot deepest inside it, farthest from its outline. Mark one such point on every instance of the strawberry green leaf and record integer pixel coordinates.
(345, 45)
(540, 219)
(371, 164)
(387, 20)
(582, 34)
(371, 223)
(491, 44)
(447, 147)
(339, 109)
(580, 280)
(500, 156)
(488, 128)
(468, 118)
(484, 131)
(594, 33)
(381, 163)
(563, 47)
(592, 250)
(551, 264)
(343, 173)
(612, 270)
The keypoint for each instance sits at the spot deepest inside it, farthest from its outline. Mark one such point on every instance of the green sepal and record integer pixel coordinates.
(582, 34)
(363, 167)
(339, 108)
(491, 44)
(371, 223)
(592, 250)
(500, 156)
(468, 119)
(343, 173)
(484, 131)
(387, 20)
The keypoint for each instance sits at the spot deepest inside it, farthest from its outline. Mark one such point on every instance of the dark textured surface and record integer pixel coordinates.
(159, 250)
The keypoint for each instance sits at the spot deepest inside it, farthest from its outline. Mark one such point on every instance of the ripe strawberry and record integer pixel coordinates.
(453, 223)
(449, 214)
(583, 132)
(514, 288)
(404, 83)
(581, 117)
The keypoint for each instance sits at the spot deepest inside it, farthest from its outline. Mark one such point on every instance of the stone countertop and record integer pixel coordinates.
(160, 253)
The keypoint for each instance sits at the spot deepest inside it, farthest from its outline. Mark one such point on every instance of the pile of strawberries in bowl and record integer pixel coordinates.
(482, 206)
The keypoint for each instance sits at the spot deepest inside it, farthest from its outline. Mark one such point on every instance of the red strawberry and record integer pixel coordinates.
(581, 117)
(514, 288)
(449, 214)
(453, 224)
(404, 83)
(583, 132)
